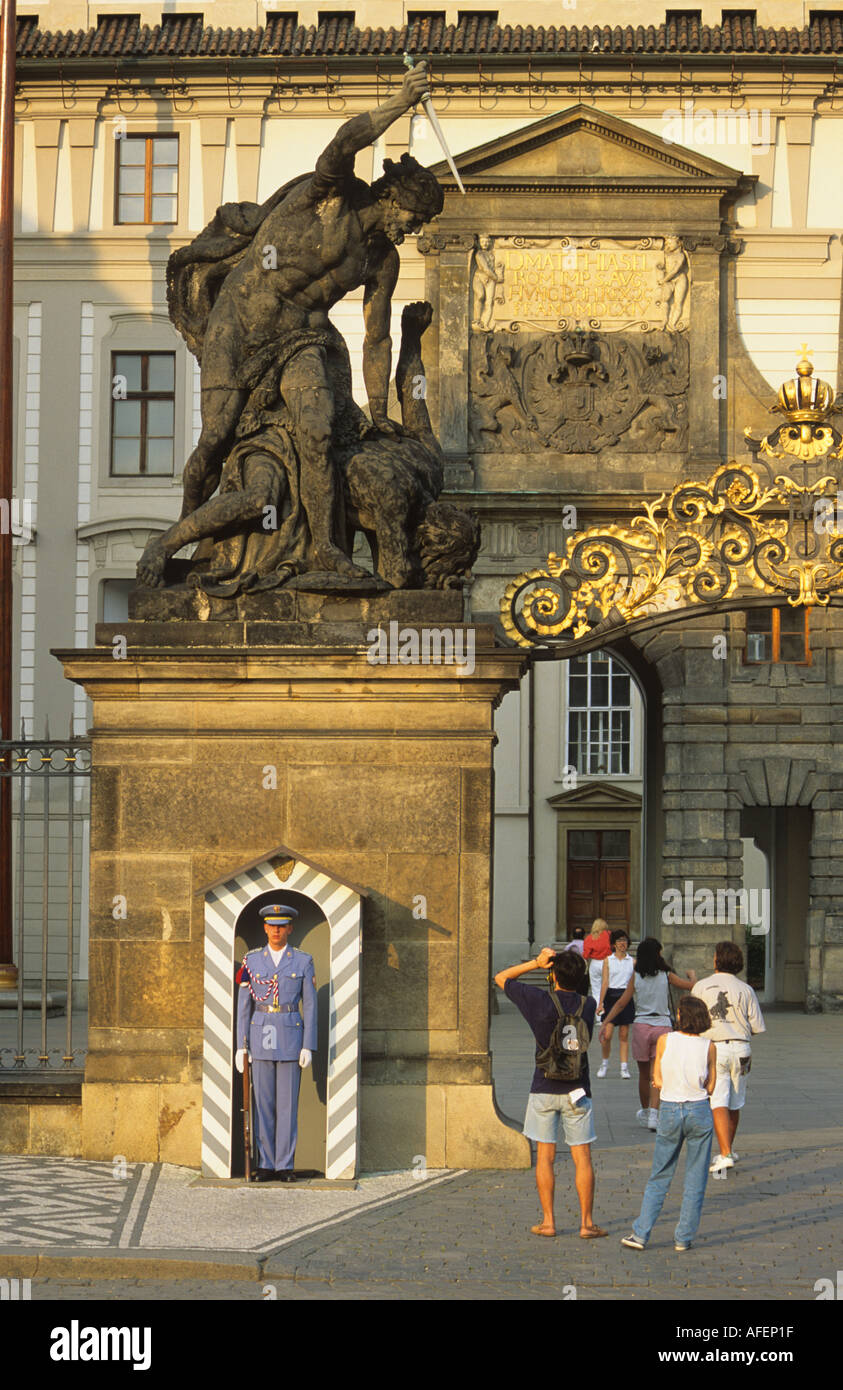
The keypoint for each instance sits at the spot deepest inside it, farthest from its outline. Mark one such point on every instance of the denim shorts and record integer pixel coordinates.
(541, 1122)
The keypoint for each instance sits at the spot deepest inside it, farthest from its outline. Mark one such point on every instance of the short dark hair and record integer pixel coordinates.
(648, 958)
(693, 1015)
(616, 936)
(578, 934)
(728, 957)
(570, 971)
(413, 186)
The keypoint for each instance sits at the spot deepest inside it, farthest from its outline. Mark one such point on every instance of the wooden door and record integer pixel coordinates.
(598, 879)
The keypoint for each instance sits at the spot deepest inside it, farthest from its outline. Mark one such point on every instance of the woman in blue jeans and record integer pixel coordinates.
(684, 1070)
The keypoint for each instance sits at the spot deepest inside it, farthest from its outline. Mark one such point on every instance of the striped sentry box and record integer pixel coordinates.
(340, 903)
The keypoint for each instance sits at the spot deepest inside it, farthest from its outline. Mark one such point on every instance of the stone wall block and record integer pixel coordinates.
(405, 806)
(409, 984)
(476, 811)
(120, 1120)
(160, 983)
(431, 877)
(201, 813)
(105, 809)
(180, 1124)
(56, 1129)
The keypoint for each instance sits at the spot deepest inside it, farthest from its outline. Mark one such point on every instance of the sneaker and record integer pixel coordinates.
(682, 1245)
(654, 1120)
(632, 1242)
(625, 1072)
(735, 1156)
(722, 1161)
(604, 1067)
(643, 1118)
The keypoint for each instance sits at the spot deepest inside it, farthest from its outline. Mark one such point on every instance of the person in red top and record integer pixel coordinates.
(596, 948)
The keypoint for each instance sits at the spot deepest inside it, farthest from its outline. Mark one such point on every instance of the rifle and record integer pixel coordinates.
(247, 1111)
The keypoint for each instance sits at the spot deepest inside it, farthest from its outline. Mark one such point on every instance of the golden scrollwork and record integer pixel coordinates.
(705, 542)
(702, 543)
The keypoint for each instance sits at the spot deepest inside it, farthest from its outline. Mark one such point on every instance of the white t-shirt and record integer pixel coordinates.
(733, 1006)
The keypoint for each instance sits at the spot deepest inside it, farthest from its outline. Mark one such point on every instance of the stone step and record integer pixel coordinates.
(56, 1003)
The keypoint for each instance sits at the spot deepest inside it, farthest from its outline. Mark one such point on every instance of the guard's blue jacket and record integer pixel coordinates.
(277, 1036)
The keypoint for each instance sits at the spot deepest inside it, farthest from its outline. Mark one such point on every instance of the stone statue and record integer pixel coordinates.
(675, 281)
(255, 535)
(486, 281)
(251, 296)
(415, 540)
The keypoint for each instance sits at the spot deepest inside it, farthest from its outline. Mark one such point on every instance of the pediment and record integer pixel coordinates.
(596, 796)
(277, 859)
(584, 145)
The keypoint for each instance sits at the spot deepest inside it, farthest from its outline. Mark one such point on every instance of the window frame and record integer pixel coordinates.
(148, 165)
(775, 658)
(627, 745)
(143, 396)
(477, 16)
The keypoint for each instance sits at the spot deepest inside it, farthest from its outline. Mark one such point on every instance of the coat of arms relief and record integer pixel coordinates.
(614, 372)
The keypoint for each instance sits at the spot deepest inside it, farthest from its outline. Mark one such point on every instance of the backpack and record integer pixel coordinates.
(562, 1059)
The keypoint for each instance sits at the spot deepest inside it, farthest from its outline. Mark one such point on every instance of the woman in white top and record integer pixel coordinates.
(617, 973)
(649, 984)
(685, 1071)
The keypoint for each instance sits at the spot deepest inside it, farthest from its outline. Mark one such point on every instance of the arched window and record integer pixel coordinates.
(599, 735)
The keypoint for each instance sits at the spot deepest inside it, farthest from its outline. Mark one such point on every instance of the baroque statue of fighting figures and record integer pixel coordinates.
(287, 467)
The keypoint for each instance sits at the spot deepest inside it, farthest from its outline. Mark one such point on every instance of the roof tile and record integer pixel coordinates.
(123, 37)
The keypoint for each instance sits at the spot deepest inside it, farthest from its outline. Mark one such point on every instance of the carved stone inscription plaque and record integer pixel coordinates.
(609, 283)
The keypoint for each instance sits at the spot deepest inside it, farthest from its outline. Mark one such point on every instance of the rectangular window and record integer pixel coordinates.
(115, 599)
(466, 16)
(777, 635)
(147, 180)
(599, 716)
(142, 414)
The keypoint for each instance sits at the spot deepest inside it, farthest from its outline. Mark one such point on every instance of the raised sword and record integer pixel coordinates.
(437, 129)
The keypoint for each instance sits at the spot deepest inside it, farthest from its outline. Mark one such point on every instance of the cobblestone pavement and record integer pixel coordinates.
(771, 1229)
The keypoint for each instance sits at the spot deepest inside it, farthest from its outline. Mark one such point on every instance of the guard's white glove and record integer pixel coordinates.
(238, 1058)
(305, 1058)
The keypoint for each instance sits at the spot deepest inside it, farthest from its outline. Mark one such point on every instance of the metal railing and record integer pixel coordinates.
(52, 808)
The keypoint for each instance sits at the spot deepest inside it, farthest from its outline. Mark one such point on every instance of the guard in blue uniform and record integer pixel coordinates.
(281, 1040)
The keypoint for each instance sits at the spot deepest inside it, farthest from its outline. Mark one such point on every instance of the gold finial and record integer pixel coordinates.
(805, 399)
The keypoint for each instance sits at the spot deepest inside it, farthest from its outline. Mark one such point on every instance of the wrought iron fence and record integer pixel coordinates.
(50, 816)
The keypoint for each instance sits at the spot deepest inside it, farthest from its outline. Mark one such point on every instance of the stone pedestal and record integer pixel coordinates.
(214, 740)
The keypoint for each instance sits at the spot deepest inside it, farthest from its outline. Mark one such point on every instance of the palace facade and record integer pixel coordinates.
(651, 229)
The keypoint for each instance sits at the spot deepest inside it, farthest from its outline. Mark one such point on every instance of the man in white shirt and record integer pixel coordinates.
(735, 1015)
